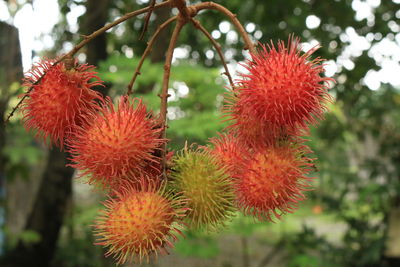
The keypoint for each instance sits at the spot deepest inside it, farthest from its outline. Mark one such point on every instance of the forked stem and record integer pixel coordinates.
(146, 52)
(183, 9)
(211, 5)
(125, 17)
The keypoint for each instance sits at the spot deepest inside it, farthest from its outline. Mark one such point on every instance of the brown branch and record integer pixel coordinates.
(183, 9)
(87, 39)
(164, 91)
(125, 17)
(146, 52)
(147, 19)
(211, 5)
(217, 47)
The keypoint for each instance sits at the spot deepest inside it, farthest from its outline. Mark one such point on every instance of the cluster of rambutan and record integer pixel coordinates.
(258, 166)
(116, 147)
(271, 107)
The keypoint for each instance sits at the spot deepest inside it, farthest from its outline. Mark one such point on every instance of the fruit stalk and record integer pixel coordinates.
(164, 91)
(217, 47)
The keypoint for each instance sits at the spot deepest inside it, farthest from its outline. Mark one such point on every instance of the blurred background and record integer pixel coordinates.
(352, 218)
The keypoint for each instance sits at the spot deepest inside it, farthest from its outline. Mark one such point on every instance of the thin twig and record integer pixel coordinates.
(232, 17)
(217, 47)
(164, 91)
(147, 19)
(125, 17)
(86, 39)
(146, 52)
(27, 93)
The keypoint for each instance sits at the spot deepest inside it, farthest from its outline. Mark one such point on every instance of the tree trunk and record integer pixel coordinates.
(161, 44)
(55, 192)
(47, 214)
(10, 71)
(392, 244)
(95, 17)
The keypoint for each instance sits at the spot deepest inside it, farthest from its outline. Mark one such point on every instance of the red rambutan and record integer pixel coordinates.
(116, 144)
(282, 92)
(230, 152)
(59, 101)
(136, 224)
(274, 181)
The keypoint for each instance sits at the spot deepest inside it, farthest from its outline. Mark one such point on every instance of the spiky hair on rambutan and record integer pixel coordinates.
(207, 187)
(137, 224)
(252, 133)
(152, 169)
(230, 152)
(116, 143)
(59, 99)
(274, 182)
(282, 91)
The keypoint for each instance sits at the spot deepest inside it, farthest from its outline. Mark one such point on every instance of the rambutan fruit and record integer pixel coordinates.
(206, 186)
(249, 131)
(274, 181)
(138, 223)
(59, 100)
(154, 168)
(230, 152)
(282, 92)
(116, 144)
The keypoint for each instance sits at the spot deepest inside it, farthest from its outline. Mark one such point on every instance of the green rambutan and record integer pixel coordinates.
(207, 187)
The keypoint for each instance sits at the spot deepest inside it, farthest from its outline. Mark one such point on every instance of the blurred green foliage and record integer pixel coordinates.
(21, 152)
(76, 245)
(196, 95)
(358, 145)
(197, 244)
